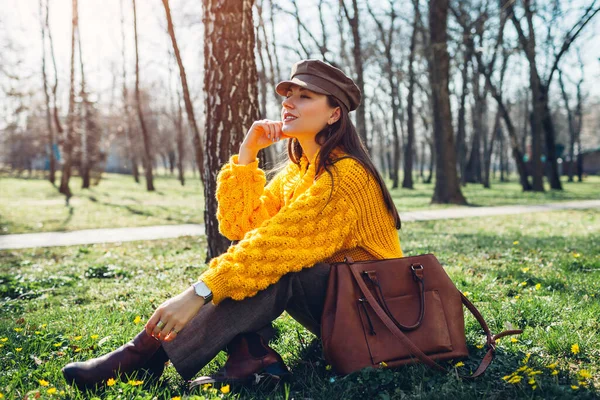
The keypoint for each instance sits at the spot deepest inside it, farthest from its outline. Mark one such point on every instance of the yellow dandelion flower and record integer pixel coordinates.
(43, 382)
(44, 325)
(553, 365)
(18, 349)
(4, 339)
(574, 387)
(135, 383)
(206, 386)
(555, 372)
(531, 381)
(514, 340)
(176, 398)
(77, 350)
(459, 364)
(137, 319)
(1, 396)
(576, 255)
(62, 392)
(515, 379)
(18, 329)
(38, 332)
(94, 336)
(534, 387)
(1, 345)
(57, 344)
(525, 269)
(51, 391)
(111, 382)
(538, 286)
(479, 346)
(516, 297)
(523, 283)
(77, 337)
(225, 389)
(533, 373)
(575, 348)
(516, 242)
(585, 374)
(466, 294)
(383, 364)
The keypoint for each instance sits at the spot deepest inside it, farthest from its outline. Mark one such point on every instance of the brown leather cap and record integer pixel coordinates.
(323, 78)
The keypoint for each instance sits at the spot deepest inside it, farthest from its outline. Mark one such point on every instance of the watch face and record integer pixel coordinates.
(201, 289)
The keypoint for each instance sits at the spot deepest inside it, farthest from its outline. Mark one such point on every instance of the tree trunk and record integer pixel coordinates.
(550, 136)
(59, 129)
(461, 150)
(447, 187)
(517, 155)
(50, 148)
(129, 132)
(69, 139)
(537, 92)
(231, 101)
(85, 145)
(409, 146)
(189, 108)
(571, 124)
(145, 133)
(473, 167)
(361, 126)
(180, 141)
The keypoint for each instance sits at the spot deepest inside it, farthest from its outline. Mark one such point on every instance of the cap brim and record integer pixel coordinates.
(283, 86)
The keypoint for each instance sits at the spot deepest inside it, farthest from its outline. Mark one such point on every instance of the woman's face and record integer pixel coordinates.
(305, 113)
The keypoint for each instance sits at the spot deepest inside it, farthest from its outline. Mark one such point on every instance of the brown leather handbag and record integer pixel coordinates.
(394, 312)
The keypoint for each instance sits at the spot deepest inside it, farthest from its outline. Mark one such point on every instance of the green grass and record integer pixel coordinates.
(33, 205)
(539, 272)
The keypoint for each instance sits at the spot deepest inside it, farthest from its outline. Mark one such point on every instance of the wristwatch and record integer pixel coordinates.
(203, 291)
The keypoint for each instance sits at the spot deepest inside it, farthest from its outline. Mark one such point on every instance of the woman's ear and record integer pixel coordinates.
(335, 116)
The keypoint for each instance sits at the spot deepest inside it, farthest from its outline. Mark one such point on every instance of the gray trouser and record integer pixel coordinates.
(301, 294)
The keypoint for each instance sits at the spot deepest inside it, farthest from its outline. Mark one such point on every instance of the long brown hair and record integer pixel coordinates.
(343, 134)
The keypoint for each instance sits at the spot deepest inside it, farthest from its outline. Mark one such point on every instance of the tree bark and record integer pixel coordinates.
(180, 141)
(129, 132)
(387, 41)
(231, 101)
(145, 134)
(447, 187)
(69, 139)
(409, 146)
(361, 126)
(84, 127)
(517, 154)
(50, 148)
(189, 108)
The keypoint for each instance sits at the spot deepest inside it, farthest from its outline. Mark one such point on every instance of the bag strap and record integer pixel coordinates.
(491, 340)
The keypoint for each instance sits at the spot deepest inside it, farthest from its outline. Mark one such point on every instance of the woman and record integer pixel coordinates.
(328, 202)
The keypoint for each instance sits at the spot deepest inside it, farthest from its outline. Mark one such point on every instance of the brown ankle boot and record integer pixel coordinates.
(250, 361)
(140, 353)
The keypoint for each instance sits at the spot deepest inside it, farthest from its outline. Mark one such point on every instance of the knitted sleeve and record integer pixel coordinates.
(243, 200)
(307, 231)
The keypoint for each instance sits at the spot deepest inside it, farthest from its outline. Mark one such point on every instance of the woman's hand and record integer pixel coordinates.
(263, 133)
(174, 314)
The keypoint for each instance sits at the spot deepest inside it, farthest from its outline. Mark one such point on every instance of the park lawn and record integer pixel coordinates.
(33, 205)
(539, 272)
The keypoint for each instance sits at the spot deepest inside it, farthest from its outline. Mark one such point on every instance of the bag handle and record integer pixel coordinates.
(417, 272)
(491, 339)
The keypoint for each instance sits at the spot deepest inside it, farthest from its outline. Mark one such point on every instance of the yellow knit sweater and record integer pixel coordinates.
(295, 222)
